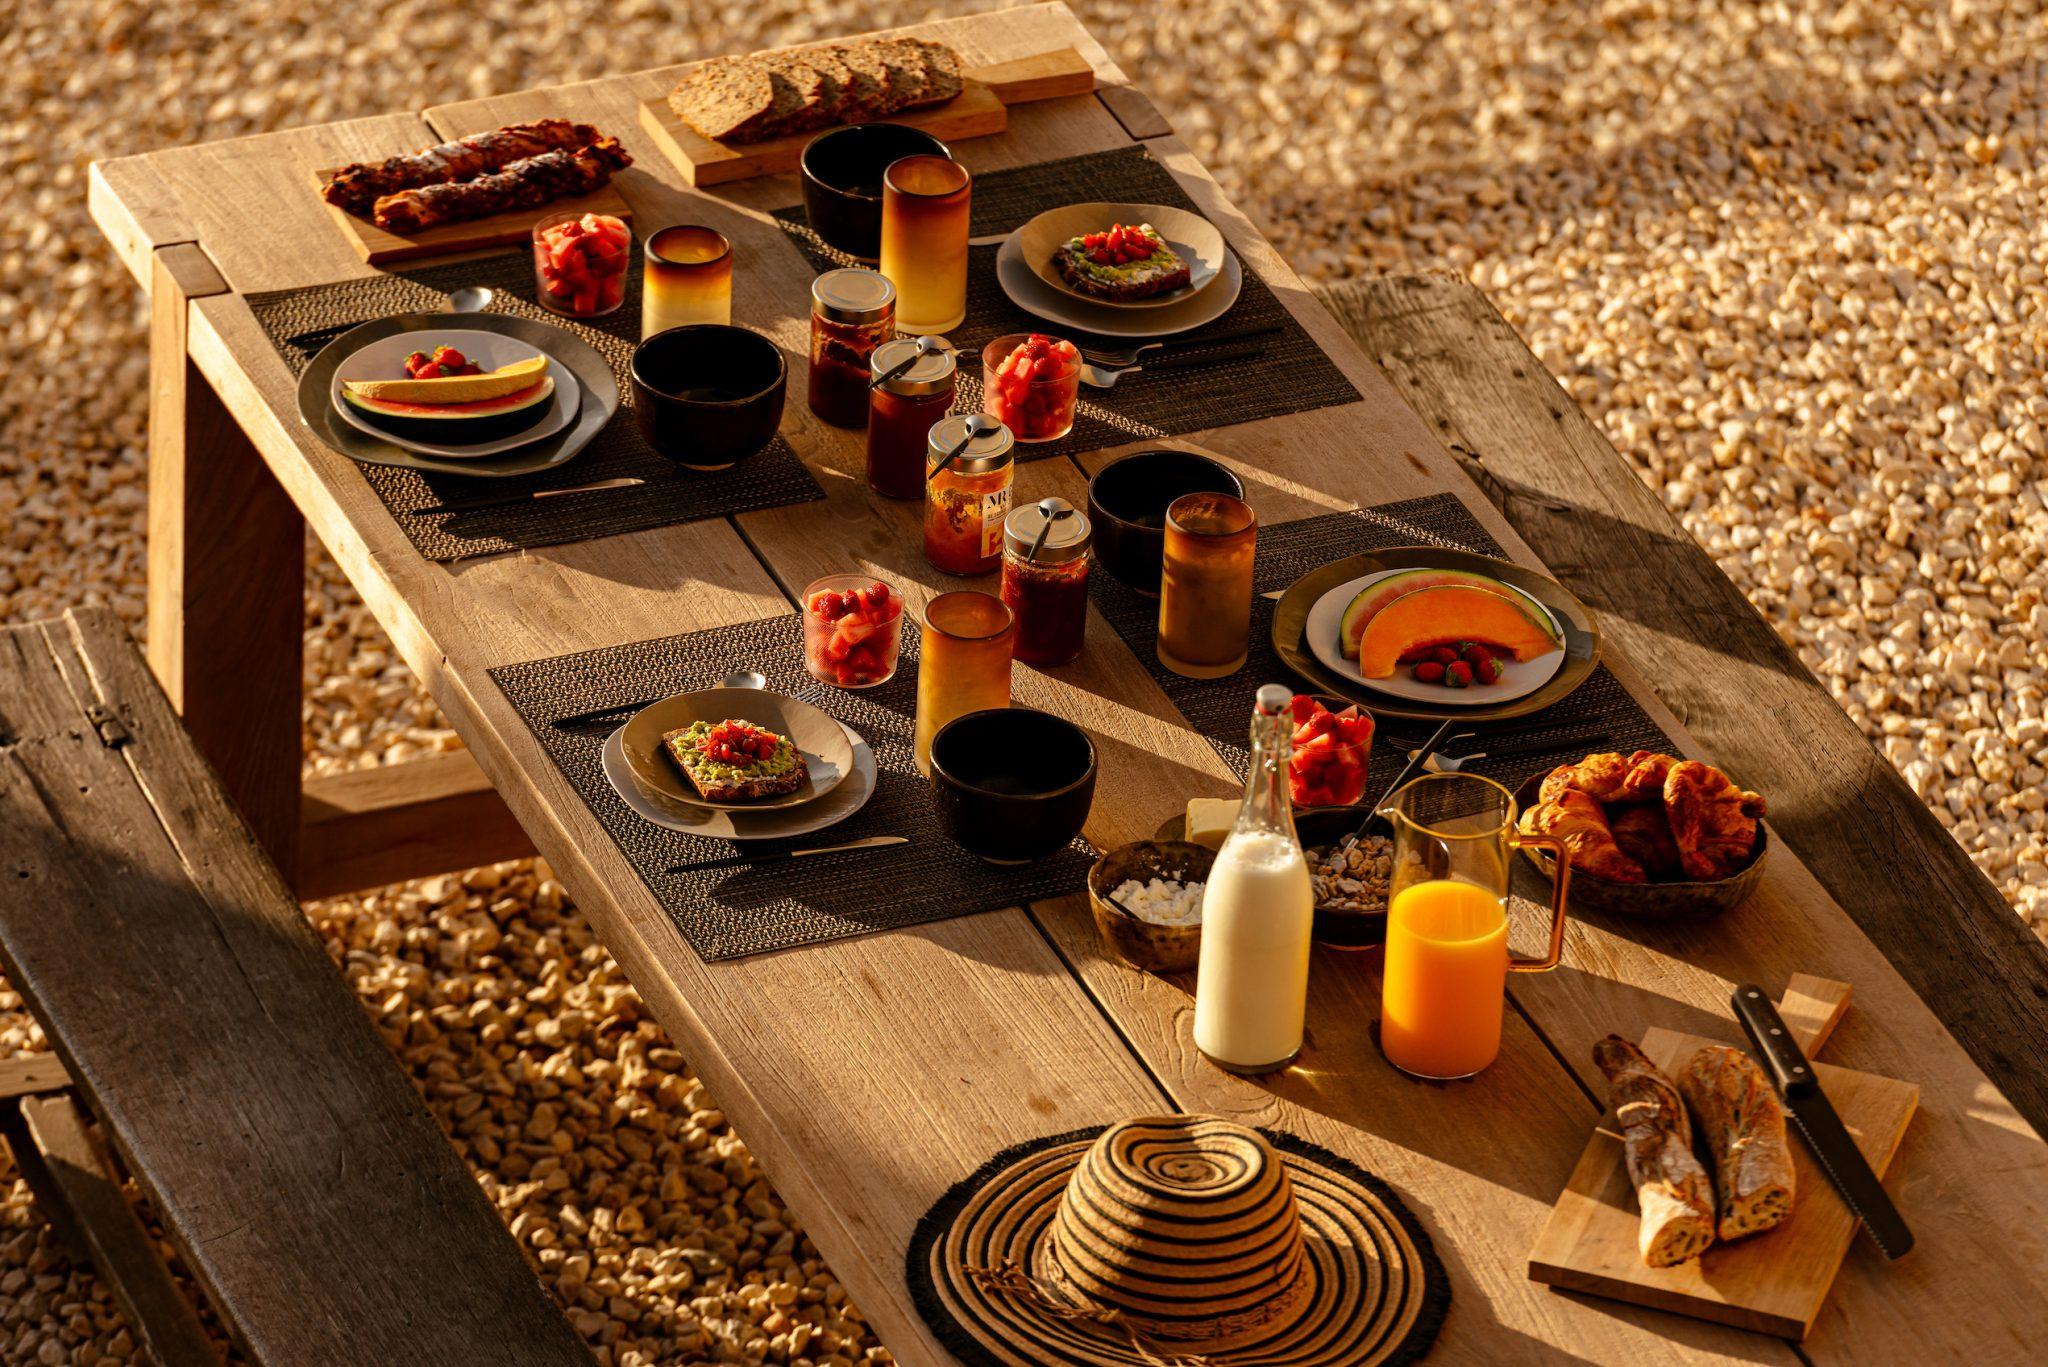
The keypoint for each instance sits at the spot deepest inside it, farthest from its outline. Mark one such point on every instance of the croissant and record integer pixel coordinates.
(1644, 834)
(1644, 782)
(1577, 820)
(1597, 776)
(1713, 821)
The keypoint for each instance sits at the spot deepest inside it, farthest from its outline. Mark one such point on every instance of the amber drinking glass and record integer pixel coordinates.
(963, 663)
(924, 241)
(1205, 592)
(688, 279)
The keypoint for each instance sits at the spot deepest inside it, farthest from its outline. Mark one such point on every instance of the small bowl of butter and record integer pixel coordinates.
(1147, 899)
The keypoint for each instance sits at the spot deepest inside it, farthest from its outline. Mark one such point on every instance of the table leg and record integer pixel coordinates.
(227, 572)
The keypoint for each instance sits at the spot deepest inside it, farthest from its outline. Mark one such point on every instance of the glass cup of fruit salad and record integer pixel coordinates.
(853, 629)
(1030, 384)
(1326, 767)
(580, 263)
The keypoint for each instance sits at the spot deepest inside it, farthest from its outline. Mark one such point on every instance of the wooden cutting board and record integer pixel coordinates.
(514, 226)
(1773, 1282)
(977, 111)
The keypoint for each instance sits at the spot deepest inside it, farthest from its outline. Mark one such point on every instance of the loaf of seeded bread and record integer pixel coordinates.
(1743, 1120)
(800, 90)
(1672, 1189)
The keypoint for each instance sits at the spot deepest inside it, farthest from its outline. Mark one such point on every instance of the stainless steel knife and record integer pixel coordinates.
(734, 861)
(1815, 1117)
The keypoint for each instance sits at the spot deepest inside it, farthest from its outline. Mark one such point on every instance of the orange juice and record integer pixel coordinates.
(1446, 978)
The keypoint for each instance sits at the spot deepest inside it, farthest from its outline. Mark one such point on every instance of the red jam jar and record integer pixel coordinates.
(852, 312)
(902, 411)
(967, 494)
(1045, 579)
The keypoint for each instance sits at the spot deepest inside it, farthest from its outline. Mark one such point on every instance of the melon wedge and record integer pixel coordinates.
(1455, 612)
(506, 379)
(1376, 596)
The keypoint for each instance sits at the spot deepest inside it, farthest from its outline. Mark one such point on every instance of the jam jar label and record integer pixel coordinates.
(995, 507)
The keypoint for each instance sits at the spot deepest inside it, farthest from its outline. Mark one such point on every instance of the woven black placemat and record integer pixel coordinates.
(1292, 376)
(730, 912)
(300, 322)
(1220, 709)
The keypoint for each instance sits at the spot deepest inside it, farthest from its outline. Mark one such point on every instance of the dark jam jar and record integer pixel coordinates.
(852, 313)
(902, 412)
(1045, 579)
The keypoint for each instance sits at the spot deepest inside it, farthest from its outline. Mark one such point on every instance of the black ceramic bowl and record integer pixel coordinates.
(1012, 784)
(1127, 502)
(842, 175)
(708, 395)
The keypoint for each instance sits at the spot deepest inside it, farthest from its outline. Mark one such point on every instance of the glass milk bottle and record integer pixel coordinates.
(1251, 985)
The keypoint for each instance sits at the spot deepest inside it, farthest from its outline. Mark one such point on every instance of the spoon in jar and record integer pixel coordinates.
(1052, 509)
(979, 425)
(925, 346)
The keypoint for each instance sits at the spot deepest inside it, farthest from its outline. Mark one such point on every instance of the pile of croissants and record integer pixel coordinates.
(1647, 818)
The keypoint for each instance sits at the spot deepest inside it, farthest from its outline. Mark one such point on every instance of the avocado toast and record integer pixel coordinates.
(1121, 263)
(735, 761)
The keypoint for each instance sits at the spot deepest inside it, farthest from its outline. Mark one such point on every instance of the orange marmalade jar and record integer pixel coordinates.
(967, 495)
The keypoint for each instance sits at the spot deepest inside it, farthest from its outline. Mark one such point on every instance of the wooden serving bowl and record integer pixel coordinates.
(1157, 949)
(1666, 901)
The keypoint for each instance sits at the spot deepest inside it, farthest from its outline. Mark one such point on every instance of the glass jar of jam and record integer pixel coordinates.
(901, 412)
(967, 493)
(852, 313)
(1045, 579)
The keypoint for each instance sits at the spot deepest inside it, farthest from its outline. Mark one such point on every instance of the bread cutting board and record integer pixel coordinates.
(380, 248)
(1774, 1282)
(981, 108)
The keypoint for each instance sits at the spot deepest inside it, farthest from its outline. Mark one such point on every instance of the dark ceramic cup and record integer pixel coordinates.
(708, 395)
(842, 176)
(1127, 502)
(1012, 784)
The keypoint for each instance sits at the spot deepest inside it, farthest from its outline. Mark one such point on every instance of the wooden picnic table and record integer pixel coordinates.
(870, 1073)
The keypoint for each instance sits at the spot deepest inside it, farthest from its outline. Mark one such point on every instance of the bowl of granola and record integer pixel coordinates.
(1349, 873)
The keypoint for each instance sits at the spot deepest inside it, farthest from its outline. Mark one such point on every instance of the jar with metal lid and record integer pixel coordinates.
(852, 312)
(901, 412)
(970, 462)
(1045, 579)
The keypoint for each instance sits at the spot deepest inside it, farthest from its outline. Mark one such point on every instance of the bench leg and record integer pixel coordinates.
(74, 1187)
(227, 567)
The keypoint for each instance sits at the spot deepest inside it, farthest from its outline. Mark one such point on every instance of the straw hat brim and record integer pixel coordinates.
(1378, 1292)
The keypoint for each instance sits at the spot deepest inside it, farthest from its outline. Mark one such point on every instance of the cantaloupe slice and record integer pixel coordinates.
(1376, 596)
(1441, 616)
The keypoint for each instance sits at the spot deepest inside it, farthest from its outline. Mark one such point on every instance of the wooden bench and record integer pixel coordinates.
(231, 1070)
(1834, 799)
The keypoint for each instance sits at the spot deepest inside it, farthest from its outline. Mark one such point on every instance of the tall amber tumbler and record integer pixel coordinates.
(688, 279)
(1205, 590)
(963, 663)
(924, 241)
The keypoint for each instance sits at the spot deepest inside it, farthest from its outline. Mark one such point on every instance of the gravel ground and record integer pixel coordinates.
(1791, 257)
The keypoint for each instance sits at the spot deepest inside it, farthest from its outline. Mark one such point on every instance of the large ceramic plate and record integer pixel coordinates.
(829, 810)
(828, 756)
(600, 395)
(1036, 297)
(1193, 238)
(384, 359)
(1518, 678)
(1290, 626)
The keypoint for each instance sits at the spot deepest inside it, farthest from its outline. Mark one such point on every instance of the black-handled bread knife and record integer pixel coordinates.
(1815, 1116)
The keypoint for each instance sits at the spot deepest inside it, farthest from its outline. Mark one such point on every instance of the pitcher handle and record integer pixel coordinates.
(1561, 880)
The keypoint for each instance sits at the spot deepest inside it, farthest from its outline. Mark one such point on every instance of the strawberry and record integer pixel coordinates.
(1458, 675)
(1427, 671)
(1488, 670)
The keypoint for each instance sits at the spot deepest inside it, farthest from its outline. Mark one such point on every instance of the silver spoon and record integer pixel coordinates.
(469, 299)
(978, 426)
(745, 678)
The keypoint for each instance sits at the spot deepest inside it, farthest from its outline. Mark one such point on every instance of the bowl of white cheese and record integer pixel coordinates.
(1147, 899)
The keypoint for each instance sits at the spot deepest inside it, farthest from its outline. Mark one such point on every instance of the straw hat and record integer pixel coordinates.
(1176, 1241)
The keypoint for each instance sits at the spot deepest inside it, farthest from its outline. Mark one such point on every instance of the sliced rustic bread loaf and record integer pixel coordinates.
(754, 98)
(725, 97)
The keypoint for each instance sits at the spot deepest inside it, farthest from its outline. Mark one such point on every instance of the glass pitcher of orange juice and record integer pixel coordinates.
(1447, 962)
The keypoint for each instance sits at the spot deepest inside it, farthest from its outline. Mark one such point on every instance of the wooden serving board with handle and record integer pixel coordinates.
(380, 248)
(980, 109)
(1774, 1282)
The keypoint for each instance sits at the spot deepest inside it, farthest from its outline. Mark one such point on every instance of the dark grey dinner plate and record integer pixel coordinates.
(600, 395)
